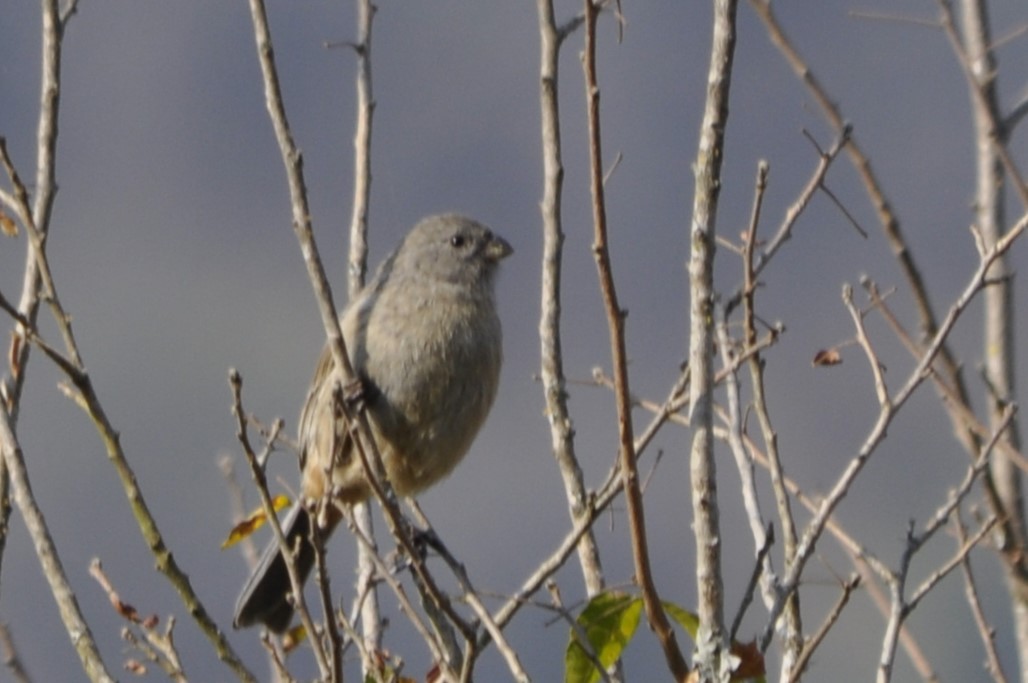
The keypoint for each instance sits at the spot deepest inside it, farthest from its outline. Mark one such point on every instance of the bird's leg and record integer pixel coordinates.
(355, 395)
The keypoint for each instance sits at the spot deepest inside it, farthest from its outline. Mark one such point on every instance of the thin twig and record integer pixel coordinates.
(141, 632)
(792, 622)
(796, 209)
(941, 572)
(10, 656)
(46, 188)
(562, 436)
(383, 571)
(751, 585)
(334, 647)
(986, 631)
(470, 596)
(889, 407)
(50, 562)
(888, 219)
(961, 416)
(996, 170)
(815, 641)
(744, 466)
(235, 381)
(578, 632)
(39, 276)
(981, 92)
(84, 394)
(615, 322)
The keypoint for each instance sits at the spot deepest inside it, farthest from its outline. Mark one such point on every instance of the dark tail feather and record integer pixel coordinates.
(264, 596)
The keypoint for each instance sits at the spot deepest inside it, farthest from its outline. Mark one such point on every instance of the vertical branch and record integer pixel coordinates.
(616, 324)
(793, 625)
(293, 161)
(552, 359)
(49, 105)
(46, 172)
(321, 656)
(712, 661)
(985, 630)
(371, 623)
(998, 343)
(361, 150)
(67, 605)
(9, 653)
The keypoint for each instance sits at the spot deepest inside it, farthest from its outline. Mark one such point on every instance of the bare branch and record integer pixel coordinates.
(615, 322)
(792, 623)
(744, 465)
(755, 577)
(797, 208)
(889, 406)
(470, 595)
(384, 572)
(711, 644)
(815, 641)
(85, 396)
(358, 258)
(981, 84)
(141, 632)
(10, 656)
(562, 436)
(985, 630)
(321, 656)
(889, 221)
(74, 623)
(371, 620)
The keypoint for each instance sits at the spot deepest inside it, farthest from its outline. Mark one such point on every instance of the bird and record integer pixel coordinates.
(425, 341)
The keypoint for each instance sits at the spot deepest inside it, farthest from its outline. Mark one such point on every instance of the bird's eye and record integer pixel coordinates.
(457, 241)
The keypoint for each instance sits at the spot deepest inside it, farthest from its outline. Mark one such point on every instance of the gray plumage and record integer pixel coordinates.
(425, 340)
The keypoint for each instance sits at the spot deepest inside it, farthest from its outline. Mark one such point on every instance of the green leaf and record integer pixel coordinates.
(608, 622)
(686, 619)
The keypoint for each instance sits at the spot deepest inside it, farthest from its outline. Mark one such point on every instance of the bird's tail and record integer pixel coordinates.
(264, 597)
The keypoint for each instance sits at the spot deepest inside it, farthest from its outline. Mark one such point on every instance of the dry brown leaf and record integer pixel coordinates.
(751, 661)
(135, 666)
(7, 225)
(124, 609)
(827, 357)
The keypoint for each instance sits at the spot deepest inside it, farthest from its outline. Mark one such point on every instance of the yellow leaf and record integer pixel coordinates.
(253, 522)
(293, 638)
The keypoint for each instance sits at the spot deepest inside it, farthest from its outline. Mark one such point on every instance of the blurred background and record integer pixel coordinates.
(172, 248)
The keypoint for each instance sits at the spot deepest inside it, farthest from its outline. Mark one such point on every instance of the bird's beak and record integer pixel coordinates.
(498, 249)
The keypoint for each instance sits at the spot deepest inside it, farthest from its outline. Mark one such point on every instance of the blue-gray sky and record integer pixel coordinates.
(172, 249)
